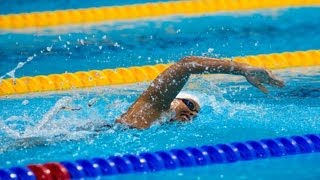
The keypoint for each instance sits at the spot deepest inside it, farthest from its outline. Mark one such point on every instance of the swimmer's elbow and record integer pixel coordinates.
(187, 65)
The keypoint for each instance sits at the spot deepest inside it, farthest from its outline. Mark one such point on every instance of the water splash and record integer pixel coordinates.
(60, 104)
(19, 65)
(8, 131)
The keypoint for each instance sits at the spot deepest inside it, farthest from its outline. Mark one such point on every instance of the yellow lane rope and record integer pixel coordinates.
(55, 82)
(147, 10)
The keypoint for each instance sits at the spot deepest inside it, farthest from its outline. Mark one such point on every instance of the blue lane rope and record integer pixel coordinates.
(179, 158)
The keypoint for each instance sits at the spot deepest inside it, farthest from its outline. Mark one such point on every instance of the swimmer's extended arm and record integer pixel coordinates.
(162, 91)
(169, 83)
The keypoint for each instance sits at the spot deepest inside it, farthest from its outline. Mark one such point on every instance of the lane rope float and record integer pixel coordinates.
(94, 78)
(168, 159)
(140, 11)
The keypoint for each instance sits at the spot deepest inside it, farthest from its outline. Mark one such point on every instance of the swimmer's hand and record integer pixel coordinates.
(259, 76)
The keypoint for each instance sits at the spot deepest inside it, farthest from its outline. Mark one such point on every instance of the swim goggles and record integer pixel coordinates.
(189, 104)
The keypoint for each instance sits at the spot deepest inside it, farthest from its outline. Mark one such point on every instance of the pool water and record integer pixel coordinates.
(294, 167)
(232, 111)
(124, 44)
(27, 6)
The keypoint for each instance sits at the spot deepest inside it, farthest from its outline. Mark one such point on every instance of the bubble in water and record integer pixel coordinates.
(104, 37)
(100, 47)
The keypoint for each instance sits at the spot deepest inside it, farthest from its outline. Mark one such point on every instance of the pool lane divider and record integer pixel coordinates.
(167, 159)
(94, 78)
(141, 11)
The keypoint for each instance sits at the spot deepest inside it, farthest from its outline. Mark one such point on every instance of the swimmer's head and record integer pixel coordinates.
(185, 106)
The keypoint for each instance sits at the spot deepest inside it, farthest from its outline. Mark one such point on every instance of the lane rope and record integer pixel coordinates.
(95, 78)
(141, 11)
(168, 159)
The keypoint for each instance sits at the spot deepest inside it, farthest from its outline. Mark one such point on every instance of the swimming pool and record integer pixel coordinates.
(234, 111)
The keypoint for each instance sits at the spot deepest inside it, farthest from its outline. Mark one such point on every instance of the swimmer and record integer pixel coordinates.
(163, 93)
(164, 96)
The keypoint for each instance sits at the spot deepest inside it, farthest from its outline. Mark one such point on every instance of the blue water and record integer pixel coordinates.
(165, 40)
(27, 6)
(233, 110)
(296, 167)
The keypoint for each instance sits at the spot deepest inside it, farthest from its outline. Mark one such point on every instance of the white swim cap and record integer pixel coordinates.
(187, 95)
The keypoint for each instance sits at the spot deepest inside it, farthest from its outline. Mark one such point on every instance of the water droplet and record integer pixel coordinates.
(49, 48)
(104, 37)
(116, 45)
(100, 47)
(20, 64)
(11, 73)
(25, 102)
(29, 58)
